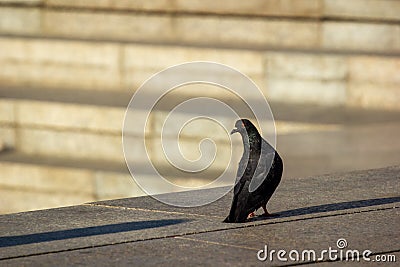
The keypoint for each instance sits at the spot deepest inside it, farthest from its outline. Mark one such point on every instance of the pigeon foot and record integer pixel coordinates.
(266, 213)
(251, 215)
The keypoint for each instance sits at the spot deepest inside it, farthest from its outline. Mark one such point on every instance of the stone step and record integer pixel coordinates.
(110, 66)
(298, 77)
(118, 100)
(304, 26)
(69, 129)
(73, 123)
(48, 181)
(338, 9)
(76, 129)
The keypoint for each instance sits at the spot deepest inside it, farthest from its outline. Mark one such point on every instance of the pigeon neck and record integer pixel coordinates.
(252, 142)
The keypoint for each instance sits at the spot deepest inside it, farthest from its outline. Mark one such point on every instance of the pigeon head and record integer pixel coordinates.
(244, 126)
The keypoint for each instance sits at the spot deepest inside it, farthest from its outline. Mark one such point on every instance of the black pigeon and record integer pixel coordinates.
(259, 173)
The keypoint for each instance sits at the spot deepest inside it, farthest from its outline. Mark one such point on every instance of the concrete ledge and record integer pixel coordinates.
(312, 213)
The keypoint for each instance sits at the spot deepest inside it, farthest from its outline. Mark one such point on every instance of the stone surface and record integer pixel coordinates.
(306, 66)
(360, 9)
(127, 5)
(140, 64)
(70, 143)
(30, 177)
(111, 185)
(235, 31)
(378, 70)
(143, 56)
(257, 7)
(254, 7)
(20, 21)
(306, 78)
(313, 213)
(69, 64)
(59, 116)
(7, 111)
(273, 24)
(374, 82)
(364, 81)
(299, 52)
(361, 147)
(100, 98)
(183, 28)
(363, 9)
(69, 116)
(7, 136)
(374, 96)
(291, 197)
(23, 2)
(307, 91)
(311, 139)
(49, 176)
(34, 200)
(360, 37)
(324, 79)
(195, 155)
(107, 25)
(186, 125)
(229, 31)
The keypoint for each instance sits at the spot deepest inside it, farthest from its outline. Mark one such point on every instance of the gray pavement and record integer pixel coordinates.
(311, 214)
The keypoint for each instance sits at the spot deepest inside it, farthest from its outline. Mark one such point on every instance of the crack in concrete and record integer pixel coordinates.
(215, 243)
(149, 210)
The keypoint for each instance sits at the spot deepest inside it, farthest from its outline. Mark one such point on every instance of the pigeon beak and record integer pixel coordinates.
(235, 130)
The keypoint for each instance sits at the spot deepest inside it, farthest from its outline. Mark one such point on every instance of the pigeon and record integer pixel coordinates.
(259, 173)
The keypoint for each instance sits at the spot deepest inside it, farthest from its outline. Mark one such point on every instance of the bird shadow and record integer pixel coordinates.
(329, 207)
(9, 241)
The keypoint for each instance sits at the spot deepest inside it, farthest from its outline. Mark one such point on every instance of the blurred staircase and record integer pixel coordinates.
(69, 69)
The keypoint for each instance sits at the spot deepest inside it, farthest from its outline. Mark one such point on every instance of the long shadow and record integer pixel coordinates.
(332, 207)
(9, 241)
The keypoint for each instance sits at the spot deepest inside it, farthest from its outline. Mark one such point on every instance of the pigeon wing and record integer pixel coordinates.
(266, 177)
(240, 191)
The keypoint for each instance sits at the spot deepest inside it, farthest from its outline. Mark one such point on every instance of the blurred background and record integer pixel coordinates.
(330, 70)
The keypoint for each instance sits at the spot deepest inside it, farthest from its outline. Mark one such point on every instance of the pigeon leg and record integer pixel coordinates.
(266, 213)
